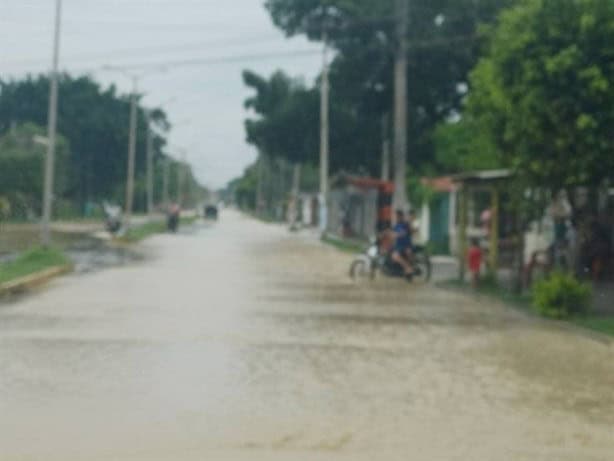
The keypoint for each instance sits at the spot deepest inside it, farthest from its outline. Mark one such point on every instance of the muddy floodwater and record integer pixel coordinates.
(87, 245)
(243, 341)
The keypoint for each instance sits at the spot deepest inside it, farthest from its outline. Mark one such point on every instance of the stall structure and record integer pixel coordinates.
(359, 207)
(489, 185)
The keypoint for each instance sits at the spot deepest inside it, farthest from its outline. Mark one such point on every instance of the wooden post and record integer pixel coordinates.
(494, 231)
(462, 232)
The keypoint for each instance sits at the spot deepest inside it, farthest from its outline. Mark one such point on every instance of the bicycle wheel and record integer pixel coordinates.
(422, 268)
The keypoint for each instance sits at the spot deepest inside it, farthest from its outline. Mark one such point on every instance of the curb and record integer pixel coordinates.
(34, 280)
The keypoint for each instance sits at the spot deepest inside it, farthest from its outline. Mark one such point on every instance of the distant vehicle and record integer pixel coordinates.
(113, 218)
(211, 212)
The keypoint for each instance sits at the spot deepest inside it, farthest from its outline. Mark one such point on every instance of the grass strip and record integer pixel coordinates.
(139, 233)
(31, 262)
(601, 324)
(519, 301)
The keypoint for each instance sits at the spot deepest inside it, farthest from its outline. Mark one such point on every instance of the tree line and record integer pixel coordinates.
(93, 123)
(521, 84)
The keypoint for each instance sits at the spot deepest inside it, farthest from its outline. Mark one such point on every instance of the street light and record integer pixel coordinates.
(131, 156)
(150, 161)
(132, 139)
(324, 135)
(51, 131)
(181, 173)
(182, 163)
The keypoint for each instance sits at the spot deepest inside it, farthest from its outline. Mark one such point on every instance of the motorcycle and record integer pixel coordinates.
(374, 260)
(172, 218)
(113, 218)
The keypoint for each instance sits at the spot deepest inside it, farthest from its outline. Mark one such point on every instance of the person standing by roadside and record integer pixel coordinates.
(474, 261)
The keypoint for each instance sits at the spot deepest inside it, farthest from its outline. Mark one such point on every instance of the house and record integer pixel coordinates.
(359, 207)
(438, 215)
(308, 209)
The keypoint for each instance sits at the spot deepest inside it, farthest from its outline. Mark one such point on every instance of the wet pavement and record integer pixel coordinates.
(242, 341)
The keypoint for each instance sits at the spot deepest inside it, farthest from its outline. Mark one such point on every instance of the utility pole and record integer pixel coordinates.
(132, 138)
(51, 131)
(165, 175)
(260, 184)
(282, 197)
(131, 156)
(150, 167)
(181, 176)
(400, 106)
(296, 190)
(385, 149)
(324, 134)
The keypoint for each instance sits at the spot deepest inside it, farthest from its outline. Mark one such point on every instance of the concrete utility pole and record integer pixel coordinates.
(51, 131)
(324, 135)
(132, 139)
(400, 106)
(385, 149)
(296, 190)
(165, 176)
(260, 184)
(131, 156)
(150, 167)
(181, 176)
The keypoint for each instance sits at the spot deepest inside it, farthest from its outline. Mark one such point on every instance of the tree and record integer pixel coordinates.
(443, 49)
(288, 127)
(543, 94)
(245, 189)
(463, 146)
(95, 123)
(21, 170)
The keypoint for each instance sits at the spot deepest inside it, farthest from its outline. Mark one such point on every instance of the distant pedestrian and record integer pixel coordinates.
(474, 260)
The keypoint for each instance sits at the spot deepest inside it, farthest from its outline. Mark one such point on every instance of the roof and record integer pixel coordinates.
(482, 176)
(441, 184)
(362, 182)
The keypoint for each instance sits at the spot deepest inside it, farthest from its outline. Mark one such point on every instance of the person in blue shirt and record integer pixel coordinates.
(401, 253)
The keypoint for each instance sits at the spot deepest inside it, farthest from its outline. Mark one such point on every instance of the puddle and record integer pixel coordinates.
(89, 255)
(87, 252)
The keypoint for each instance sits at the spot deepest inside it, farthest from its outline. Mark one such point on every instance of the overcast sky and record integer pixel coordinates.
(206, 100)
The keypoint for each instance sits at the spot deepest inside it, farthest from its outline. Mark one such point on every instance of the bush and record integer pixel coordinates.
(561, 295)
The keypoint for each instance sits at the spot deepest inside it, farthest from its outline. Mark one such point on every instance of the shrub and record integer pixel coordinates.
(489, 281)
(561, 295)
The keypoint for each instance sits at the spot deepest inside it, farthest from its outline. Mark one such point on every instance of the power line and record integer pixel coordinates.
(133, 51)
(285, 54)
(221, 59)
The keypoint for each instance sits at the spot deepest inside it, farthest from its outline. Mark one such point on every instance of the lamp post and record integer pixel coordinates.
(135, 77)
(51, 132)
(150, 164)
(324, 136)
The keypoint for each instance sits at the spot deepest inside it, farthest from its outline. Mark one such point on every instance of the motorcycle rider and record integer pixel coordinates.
(402, 251)
(173, 214)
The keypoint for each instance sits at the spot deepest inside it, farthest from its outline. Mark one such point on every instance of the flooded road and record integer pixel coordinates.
(242, 341)
(87, 244)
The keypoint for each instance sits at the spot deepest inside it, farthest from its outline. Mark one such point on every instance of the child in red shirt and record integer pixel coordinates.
(474, 259)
